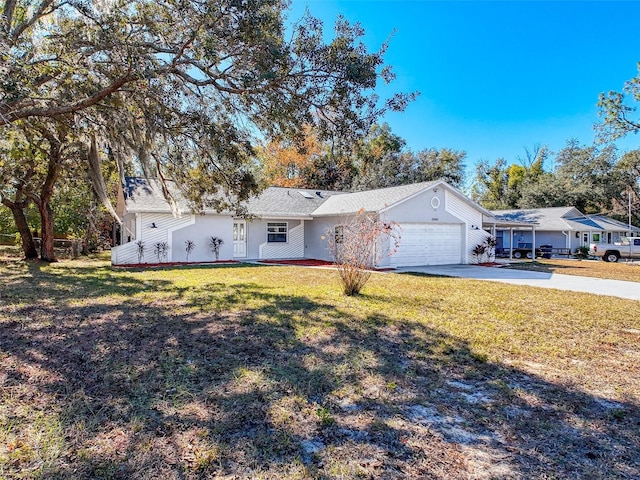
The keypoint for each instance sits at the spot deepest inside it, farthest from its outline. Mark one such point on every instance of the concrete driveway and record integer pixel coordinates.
(599, 286)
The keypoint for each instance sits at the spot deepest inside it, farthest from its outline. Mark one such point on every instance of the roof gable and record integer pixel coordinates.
(369, 200)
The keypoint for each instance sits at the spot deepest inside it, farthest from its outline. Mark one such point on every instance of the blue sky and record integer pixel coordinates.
(496, 77)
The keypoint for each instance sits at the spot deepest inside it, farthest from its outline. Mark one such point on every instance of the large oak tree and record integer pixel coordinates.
(185, 87)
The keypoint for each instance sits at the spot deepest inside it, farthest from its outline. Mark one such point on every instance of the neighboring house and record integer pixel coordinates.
(438, 224)
(560, 227)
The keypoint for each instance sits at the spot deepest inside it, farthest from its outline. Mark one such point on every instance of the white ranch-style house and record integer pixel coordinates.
(438, 224)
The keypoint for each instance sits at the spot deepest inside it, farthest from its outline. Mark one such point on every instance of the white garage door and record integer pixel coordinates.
(429, 244)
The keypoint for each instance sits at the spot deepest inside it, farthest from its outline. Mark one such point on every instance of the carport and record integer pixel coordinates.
(492, 224)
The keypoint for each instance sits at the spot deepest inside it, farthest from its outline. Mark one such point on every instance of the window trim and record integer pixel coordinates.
(285, 233)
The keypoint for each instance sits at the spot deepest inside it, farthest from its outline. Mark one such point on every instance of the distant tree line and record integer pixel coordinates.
(594, 179)
(379, 159)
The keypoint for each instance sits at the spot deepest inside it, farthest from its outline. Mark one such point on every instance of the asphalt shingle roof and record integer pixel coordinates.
(609, 223)
(370, 200)
(546, 218)
(142, 195)
(145, 195)
(560, 219)
(289, 202)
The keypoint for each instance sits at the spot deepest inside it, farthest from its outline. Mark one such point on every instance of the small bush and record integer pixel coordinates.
(140, 250)
(358, 245)
(491, 242)
(479, 251)
(161, 249)
(215, 243)
(189, 246)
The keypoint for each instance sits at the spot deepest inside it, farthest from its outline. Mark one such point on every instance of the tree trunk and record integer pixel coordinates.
(43, 202)
(47, 252)
(26, 237)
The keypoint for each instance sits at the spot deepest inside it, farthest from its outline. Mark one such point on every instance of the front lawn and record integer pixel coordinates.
(270, 372)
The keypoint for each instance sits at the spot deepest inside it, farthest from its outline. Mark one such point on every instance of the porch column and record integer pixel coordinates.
(533, 244)
(510, 243)
(138, 226)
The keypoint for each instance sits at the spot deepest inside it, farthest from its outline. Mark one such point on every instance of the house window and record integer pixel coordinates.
(339, 234)
(277, 232)
(595, 237)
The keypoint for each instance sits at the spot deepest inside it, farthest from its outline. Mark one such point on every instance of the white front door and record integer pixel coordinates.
(239, 238)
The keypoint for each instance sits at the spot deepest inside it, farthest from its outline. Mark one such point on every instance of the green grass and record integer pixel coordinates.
(271, 372)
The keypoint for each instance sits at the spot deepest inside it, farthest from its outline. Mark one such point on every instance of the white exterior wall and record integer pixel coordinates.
(422, 208)
(475, 237)
(316, 237)
(126, 254)
(175, 231)
(200, 233)
(472, 218)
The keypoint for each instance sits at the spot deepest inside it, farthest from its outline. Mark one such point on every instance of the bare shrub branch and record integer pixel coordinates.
(358, 245)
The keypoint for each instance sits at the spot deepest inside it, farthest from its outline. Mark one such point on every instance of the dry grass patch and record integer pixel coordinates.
(270, 372)
(622, 270)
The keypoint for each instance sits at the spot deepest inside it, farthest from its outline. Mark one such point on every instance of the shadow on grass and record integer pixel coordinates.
(542, 267)
(422, 274)
(246, 380)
